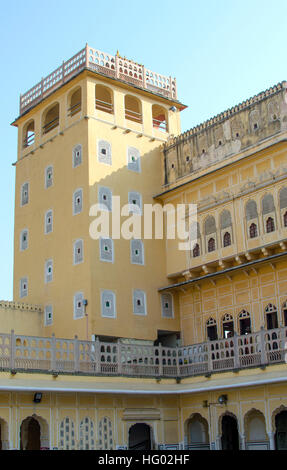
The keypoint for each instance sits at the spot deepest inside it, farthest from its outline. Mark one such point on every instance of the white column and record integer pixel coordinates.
(242, 442)
(271, 440)
(218, 442)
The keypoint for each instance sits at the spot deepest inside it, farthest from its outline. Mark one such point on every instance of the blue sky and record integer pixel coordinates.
(220, 51)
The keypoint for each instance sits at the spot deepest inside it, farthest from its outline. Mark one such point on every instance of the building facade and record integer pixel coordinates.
(130, 342)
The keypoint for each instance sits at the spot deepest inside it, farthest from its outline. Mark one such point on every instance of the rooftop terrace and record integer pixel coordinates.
(116, 67)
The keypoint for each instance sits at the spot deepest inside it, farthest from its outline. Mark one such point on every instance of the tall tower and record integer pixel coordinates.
(90, 130)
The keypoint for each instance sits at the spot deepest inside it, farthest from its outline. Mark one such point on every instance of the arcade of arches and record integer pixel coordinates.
(106, 422)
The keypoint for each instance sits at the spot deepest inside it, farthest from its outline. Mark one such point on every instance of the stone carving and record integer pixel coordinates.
(228, 133)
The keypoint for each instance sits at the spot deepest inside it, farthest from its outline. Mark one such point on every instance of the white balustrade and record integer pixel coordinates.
(20, 352)
(100, 62)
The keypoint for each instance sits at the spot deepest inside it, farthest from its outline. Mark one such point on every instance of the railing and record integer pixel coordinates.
(29, 140)
(161, 125)
(99, 358)
(106, 64)
(133, 115)
(104, 106)
(74, 109)
(50, 125)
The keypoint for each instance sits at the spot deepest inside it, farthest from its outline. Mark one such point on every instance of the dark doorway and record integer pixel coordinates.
(281, 431)
(245, 326)
(212, 332)
(229, 438)
(228, 329)
(272, 321)
(140, 437)
(30, 434)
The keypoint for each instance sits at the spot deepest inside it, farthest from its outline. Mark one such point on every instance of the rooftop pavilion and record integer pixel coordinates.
(115, 67)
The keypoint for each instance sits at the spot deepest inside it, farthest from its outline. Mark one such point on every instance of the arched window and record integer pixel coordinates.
(105, 434)
(268, 204)
(133, 110)
(159, 118)
(75, 102)
(285, 219)
(51, 118)
(197, 429)
(87, 435)
(271, 317)
(211, 245)
(211, 329)
(209, 225)
(196, 251)
(225, 219)
(270, 225)
(29, 134)
(226, 239)
(251, 210)
(253, 231)
(244, 322)
(104, 99)
(67, 438)
(228, 326)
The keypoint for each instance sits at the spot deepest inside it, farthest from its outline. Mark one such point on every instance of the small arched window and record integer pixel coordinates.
(251, 210)
(196, 251)
(29, 134)
(253, 231)
(226, 239)
(159, 118)
(51, 118)
(211, 245)
(270, 225)
(268, 204)
(104, 99)
(133, 110)
(75, 103)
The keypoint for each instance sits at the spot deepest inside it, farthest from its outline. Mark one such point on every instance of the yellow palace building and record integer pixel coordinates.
(133, 343)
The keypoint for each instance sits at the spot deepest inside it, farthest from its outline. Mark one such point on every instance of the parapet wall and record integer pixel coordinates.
(25, 319)
(231, 132)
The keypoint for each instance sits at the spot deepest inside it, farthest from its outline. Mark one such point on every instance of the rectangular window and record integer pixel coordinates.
(48, 177)
(48, 315)
(24, 240)
(108, 303)
(139, 302)
(23, 287)
(104, 152)
(49, 221)
(77, 155)
(105, 198)
(24, 194)
(135, 202)
(49, 271)
(166, 306)
(77, 201)
(137, 252)
(78, 252)
(106, 249)
(79, 308)
(133, 155)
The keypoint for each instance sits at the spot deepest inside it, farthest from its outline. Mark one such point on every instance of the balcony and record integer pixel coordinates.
(58, 355)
